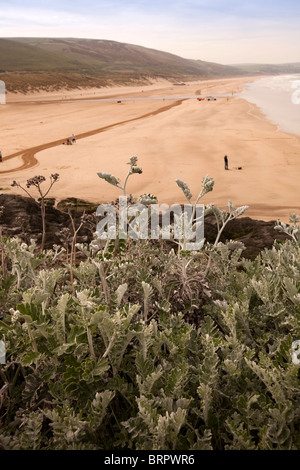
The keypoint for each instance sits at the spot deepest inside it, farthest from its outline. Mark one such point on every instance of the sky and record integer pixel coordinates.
(222, 31)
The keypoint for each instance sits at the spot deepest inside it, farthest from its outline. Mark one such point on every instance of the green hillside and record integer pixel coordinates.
(99, 60)
(16, 56)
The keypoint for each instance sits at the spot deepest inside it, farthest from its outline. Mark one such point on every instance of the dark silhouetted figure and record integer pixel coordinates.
(226, 162)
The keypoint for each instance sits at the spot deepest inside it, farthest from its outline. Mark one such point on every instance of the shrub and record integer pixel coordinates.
(154, 359)
(141, 346)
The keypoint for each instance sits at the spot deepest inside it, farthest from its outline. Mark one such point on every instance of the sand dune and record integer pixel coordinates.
(173, 138)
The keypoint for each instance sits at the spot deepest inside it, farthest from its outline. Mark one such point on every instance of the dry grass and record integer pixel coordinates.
(26, 82)
(29, 64)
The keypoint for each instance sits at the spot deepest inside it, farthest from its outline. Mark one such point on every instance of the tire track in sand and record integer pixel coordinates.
(28, 155)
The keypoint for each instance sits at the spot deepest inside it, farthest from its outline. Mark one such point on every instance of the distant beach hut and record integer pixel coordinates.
(2, 92)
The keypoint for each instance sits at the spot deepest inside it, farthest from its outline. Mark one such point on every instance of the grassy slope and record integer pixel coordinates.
(96, 59)
(18, 56)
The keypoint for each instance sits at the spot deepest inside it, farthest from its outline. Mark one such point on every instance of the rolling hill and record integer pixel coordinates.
(270, 69)
(52, 63)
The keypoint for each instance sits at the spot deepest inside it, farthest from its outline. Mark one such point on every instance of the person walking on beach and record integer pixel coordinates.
(73, 139)
(226, 162)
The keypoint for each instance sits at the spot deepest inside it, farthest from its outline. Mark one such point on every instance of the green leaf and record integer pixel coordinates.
(64, 349)
(5, 327)
(30, 358)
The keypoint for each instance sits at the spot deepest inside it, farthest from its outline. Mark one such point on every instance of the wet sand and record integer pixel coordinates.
(172, 138)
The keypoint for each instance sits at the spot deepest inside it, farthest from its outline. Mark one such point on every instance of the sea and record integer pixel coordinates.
(278, 98)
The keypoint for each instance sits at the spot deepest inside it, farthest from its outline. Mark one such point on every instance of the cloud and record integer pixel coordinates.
(224, 31)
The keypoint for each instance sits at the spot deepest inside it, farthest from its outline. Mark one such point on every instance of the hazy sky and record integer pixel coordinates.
(224, 31)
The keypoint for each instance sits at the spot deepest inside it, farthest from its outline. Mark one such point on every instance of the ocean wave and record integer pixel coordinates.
(296, 94)
(285, 83)
(278, 98)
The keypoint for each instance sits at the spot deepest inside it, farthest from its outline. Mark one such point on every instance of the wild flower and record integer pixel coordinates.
(137, 170)
(36, 181)
(148, 199)
(207, 185)
(15, 315)
(133, 160)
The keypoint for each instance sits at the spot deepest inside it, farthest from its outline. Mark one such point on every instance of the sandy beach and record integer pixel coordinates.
(173, 137)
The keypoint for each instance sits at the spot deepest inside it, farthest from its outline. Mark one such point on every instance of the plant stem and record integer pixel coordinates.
(91, 345)
(32, 338)
(125, 182)
(43, 214)
(110, 345)
(73, 248)
(104, 284)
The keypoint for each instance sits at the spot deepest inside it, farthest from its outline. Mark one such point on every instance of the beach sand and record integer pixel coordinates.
(172, 138)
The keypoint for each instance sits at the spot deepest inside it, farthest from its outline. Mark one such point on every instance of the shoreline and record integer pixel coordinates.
(184, 139)
(278, 99)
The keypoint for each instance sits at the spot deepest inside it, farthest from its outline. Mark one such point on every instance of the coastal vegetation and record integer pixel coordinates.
(32, 64)
(52, 64)
(140, 344)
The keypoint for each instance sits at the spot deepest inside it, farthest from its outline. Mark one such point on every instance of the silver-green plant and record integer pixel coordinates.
(111, 179)
(292, 229)
(136, 371)
(207, 186)
(222, 219)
